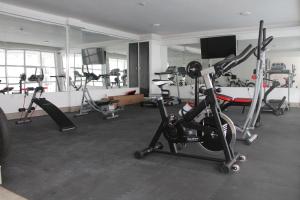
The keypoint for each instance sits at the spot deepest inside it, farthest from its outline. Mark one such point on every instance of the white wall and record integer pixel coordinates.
(156, 54)
(11, 103)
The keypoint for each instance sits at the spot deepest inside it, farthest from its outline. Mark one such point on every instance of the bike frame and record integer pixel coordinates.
(209, 101)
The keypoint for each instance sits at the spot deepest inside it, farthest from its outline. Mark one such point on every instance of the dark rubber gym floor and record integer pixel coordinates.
(96, 162)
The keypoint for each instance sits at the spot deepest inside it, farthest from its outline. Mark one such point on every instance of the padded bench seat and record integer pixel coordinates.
(234, 100)
(230, 101)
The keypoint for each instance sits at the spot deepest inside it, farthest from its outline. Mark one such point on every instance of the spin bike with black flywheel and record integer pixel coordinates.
(204, 124)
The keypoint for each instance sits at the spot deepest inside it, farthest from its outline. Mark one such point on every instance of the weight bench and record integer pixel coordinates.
(106, 102)
(6, 90)
(230, 101)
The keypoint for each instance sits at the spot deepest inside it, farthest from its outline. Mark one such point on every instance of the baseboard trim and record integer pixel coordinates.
(38, 113)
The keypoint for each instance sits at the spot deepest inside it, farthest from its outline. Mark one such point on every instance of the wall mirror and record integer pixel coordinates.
(26, 47)
(283, 57)
(111, 72)
(179, 56)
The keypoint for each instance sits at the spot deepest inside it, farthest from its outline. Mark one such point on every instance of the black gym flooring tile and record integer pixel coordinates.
(96, 162)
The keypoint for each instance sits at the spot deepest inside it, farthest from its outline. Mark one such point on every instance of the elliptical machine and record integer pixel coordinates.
(204, 124)
(255, 103)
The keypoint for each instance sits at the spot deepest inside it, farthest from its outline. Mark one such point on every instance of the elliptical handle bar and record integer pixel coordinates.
(222, 66)
(232, 65)
(267, 42)
(260, 38)
(228, 60)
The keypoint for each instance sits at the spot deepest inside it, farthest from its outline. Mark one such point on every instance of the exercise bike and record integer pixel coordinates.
(204, 124)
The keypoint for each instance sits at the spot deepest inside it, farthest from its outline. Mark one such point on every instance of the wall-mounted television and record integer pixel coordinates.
(93, 56)
(218, 47)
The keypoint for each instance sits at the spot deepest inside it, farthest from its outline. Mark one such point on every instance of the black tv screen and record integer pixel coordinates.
(218, 47)
(93, 56)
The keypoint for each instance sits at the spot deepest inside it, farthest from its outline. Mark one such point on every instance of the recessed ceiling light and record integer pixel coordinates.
(142, 3)
(156, 25)
(245, 13)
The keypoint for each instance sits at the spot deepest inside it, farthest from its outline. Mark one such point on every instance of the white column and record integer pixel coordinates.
(158, 58)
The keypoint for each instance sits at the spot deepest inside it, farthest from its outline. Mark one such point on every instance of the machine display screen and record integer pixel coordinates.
(94, 56)
(218, 47)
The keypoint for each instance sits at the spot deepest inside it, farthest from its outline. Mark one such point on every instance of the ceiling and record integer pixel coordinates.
(278, 44)
(35, 33)
(27, 32)
(175, 16)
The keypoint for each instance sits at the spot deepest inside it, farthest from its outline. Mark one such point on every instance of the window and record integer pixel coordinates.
(33, 58)
(15, 62)
(2, 57)
(2, 72)
(15, 57)
(48, 59)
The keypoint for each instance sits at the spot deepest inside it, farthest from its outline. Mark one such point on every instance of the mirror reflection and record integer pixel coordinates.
(26, 46)
(97, 60)
(179, 56)
(283, 58)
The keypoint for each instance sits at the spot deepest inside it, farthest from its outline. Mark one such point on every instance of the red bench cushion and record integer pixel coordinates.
(231, 99)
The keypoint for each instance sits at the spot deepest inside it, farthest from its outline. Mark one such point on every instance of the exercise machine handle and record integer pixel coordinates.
(267, 42)
(239, 61)
(227, 64)
(260, 38)
(228, 60)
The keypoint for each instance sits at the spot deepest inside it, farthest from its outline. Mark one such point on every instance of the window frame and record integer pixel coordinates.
(25, 67)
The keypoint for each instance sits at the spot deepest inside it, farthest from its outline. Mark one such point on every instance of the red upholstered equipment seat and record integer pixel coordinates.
(242, 100)
(224, 97)
(234, 100)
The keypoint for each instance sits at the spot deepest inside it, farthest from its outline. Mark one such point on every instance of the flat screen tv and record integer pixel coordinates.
(93, 56)
(218, 47)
